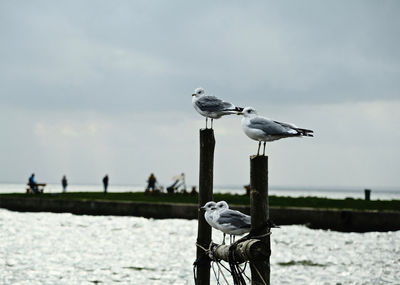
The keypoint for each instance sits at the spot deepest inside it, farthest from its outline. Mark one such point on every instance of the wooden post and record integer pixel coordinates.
(207, 145)
(259, 209)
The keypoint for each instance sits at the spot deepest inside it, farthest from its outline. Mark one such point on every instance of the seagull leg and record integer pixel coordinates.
(212, 122)
(258, 150)
(264, 148)
(223, 241)
(206, 122)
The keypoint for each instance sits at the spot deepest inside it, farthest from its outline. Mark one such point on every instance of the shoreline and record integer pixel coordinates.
(344, 220)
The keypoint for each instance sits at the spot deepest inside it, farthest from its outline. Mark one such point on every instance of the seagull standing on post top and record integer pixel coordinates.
(263, 129)
(211, 106)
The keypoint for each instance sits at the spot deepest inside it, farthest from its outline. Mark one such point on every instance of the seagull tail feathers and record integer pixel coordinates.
(305, 132)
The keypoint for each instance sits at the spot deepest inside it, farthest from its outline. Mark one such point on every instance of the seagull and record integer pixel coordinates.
(231, 222)
(211, 106)
(220, 217)
(263, 129)
(210, 212)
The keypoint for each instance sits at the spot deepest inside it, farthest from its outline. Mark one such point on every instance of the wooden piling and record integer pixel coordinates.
(207, 145)
(259, 209)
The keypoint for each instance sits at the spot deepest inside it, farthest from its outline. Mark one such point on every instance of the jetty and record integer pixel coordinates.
(338, 219)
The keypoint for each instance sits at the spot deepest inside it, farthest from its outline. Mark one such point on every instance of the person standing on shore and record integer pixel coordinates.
(105, 183)
(151, 183)
(32, 184)
(64, 183)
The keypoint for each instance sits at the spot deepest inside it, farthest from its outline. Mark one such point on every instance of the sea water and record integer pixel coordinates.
(48, 248)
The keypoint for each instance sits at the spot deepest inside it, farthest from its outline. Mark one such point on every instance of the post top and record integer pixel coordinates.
(259, 157)
(206, 130)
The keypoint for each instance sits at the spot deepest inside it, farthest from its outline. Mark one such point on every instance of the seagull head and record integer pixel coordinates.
(209, 206)
(198, 92)
(222, 205)
(249, 112)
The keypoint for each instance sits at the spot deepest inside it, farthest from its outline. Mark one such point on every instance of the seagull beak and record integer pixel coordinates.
(193, 94)
(240, 110)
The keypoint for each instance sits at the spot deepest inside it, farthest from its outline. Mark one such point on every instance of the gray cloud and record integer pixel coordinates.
(83, 54)
(106, 63)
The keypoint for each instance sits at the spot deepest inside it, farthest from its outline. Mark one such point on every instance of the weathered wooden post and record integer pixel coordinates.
(259, 209)
(207, 145)
(257, 249)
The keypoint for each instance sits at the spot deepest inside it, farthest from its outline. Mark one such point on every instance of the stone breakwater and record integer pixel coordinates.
(344, 220)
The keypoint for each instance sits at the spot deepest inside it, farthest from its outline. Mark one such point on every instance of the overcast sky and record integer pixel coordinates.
(95, 87)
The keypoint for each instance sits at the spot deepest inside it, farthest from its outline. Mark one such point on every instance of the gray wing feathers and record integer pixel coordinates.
(300, 131)
(234, 218)
(270, 127)
(213, 104)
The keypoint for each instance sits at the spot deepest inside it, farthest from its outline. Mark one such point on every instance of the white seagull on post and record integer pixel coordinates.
(211, 106)
(210, 209)
(231, 222)
(263, 129)
(220, 217)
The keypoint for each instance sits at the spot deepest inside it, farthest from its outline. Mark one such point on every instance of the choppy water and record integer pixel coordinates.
(48, 248)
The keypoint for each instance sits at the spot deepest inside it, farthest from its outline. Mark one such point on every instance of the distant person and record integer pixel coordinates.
(179, 182)
(151, 182)
(247, 188)
(105, 183)
(64, 183)
(171, 189)
(193, 192)
(32, 184)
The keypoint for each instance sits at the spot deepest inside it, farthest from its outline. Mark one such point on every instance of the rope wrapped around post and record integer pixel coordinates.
(250, 248)
(247, 250)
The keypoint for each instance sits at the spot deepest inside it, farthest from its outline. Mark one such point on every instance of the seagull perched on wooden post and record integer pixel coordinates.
(231, 222)
(263, 129)
(211, 106)
(210, 211)
(220, 217)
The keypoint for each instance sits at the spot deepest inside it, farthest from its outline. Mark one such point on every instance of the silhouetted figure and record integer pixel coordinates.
(193, 192)
(105, 183)
(247, 188)
(64, 183)
(151, 183)
(171, 189)
(32, 184)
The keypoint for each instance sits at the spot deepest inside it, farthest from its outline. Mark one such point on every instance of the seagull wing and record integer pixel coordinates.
(234, 218)
(300, 131)
(270, 127)
(213, 104)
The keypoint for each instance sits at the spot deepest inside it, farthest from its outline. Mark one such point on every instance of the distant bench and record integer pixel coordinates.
(40, 187)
